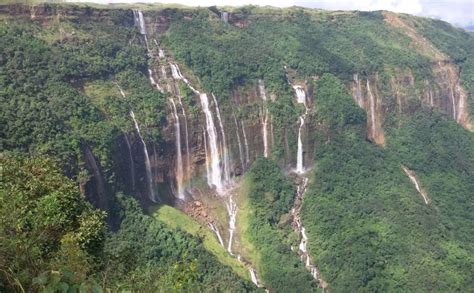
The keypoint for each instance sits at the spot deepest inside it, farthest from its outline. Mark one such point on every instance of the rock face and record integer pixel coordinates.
(444, 93)
(244, 114)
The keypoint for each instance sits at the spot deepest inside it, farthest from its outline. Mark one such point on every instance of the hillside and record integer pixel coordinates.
(181, 149)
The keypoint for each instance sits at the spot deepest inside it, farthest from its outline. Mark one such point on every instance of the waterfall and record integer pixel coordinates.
(358, 91)
(413, 179)
(372, 109)
(188, 153)
(139, 21)
(263, 95)
(218, 234)
(225, 16)
(247, 155)
(149, 176)
(225, 153)
(232, 211)
(179, 160)
(132, 168)
(253, 276)
(241, 153)
(431, 99)
(214, 175)
(453, 102)
(299, 157)
(300, 229)
(176, 73)
(300, 99)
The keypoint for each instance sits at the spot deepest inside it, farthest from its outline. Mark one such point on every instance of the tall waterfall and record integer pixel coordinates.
(130, 156)
(139, 21)
(149, 176)
(214, 174)
(129, 147)
(265, 115)
(358, 91)
(179, 159)
(300, 99)
(372, 110)
(241, 153)
(188, 153)
(225, 153)
(247, 152)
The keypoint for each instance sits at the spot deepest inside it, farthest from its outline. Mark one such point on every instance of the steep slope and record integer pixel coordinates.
(173, 105)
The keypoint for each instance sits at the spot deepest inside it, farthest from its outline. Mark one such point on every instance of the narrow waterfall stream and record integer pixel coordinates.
(176, 73)
(188, 153)
(149, 176)
(225, 153)
(179, 158)
(246, 143)
(358, 91)
(372, 110)
(139, 21)
(302, 184)
(232, 211)
(414, 180)
(263, 95)
(300, 99)
(130, 156)
(218, 234)
(241, 153)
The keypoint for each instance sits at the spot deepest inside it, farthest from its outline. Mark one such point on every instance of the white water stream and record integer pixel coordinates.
(179, 158)
(372, 110)
(263, 95)
(414, 180)
(149, 176)
(301, 99)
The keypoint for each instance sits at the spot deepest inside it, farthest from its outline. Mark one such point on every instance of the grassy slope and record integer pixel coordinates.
(179, 220)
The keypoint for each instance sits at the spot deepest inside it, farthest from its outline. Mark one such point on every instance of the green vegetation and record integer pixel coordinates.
(178, 220)
(52, 239)
(369, 229)
(271, 196)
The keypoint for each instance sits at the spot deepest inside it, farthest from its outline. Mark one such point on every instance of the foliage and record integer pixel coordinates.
(45, 224)
(147, 255)
(368, 227)
(271, 196)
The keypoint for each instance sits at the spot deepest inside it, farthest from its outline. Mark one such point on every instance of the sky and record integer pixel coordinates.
(458, 12)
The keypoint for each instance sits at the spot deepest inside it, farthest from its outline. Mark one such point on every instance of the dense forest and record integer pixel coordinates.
(95, 110)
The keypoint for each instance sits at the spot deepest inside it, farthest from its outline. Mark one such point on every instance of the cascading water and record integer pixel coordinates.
(218, 234)
(414, 180)
(176, 73)
(188, 153)
(372, 110)
(179, 159)
(225, 153)
(232, 211)
(300, 99)
(214, 174)
(263, 95)
(246, 143)
(132, 167)
(358, 91)
(241, 153)
(129, 147)
(300, 229)
(149, 176)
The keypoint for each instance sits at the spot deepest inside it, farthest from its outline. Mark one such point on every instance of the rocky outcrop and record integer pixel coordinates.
(367, 96)
(445, 92)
